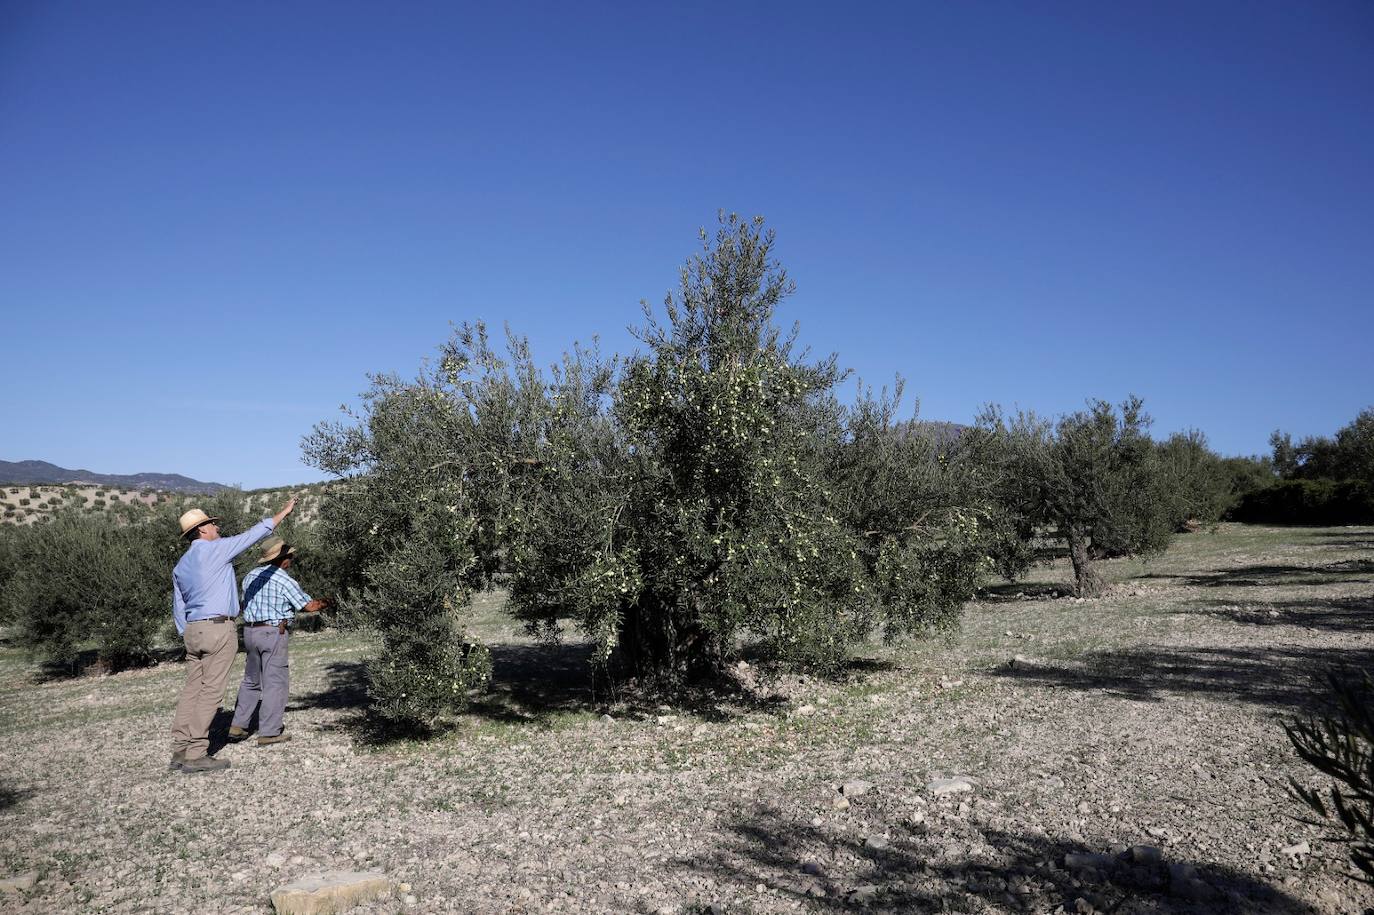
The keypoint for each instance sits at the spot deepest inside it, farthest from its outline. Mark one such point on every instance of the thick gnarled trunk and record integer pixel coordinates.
(1086, 581)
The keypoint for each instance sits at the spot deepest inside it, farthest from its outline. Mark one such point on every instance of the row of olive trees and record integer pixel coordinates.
(96, 586)
(709, 493)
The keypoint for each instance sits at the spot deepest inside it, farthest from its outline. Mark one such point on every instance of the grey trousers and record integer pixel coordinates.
(266, 675)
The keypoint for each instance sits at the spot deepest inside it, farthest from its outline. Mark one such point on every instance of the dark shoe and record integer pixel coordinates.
(237, 733)
(268, 741)
(178, 759)
(204, 764)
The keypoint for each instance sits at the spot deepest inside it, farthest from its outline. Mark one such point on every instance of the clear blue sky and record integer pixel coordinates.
(215, 219)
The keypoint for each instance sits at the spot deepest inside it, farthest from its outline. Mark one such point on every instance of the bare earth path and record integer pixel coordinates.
(1147, 718)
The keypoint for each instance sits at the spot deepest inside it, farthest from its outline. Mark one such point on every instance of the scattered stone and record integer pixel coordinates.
(608, 718)
(1087, 861)
(403, 887)
(807, 709)
(863, 895)
(813, 868)
(839, 802)
(1146, 855)
(20, 883)
(1293, 851)
(276, 859)
(956, 785)
(876, 842)
(410, 900)
(855, 787)
(950, 684)
(1082, 906)
(327, 893)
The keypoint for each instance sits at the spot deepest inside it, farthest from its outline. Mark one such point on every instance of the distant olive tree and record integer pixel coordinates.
(1349, 455)
(1198, 482)
(1094, 476)
(87, 582)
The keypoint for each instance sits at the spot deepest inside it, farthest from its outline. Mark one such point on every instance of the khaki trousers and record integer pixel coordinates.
(210, 650)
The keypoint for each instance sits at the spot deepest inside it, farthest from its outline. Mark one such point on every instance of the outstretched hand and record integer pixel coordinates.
(286, 509)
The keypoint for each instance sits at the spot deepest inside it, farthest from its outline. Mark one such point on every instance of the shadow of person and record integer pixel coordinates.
(219, 730)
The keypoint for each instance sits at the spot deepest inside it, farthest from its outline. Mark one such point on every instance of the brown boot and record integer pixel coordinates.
(178, 759)
(268, 741)
(237, 733)
(204, 764)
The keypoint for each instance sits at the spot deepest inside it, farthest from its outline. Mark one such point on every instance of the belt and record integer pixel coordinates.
(212, 619)
(267, 623)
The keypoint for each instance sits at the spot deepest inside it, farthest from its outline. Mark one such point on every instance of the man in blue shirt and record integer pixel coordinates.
(271, 598)
(204, 604)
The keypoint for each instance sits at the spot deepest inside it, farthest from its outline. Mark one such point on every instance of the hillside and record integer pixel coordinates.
(20, 473)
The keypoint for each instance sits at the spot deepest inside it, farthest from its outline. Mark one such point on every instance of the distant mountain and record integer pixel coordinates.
(41, 472)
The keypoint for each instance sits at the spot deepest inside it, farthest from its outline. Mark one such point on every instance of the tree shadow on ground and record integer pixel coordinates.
(1269, 576)
(911, 870)
(11, 796)
(1015, 591)
(1335, 614)
(1285, 679)
(535, 684)
(88, 663)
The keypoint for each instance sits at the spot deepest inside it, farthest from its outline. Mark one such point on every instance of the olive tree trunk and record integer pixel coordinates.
(1086, 581)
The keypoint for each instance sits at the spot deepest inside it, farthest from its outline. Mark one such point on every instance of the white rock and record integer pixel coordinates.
(1301, 848)
(855, 787)
(956, 785)
(276, 859)
(807, 709)
(327, 893)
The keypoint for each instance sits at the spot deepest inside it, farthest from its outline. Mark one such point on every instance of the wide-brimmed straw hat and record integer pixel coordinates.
(275, 548)
(194, 519)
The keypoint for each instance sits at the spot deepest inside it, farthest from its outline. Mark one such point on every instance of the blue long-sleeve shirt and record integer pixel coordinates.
(203, 583)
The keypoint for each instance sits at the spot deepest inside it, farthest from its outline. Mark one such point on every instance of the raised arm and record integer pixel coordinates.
(229, 547)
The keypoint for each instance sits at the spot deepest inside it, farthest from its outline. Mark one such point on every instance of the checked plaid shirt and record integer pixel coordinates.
(269, 594)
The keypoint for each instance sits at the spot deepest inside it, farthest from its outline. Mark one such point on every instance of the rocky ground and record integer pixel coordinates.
(1120, 755)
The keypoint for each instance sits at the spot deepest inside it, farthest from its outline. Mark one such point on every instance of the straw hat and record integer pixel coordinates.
(194, 519)
(275, 548)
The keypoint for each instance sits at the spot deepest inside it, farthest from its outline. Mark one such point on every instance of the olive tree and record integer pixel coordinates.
(417, 520)
(1197, 481)
(1094, 476)
(88, 582)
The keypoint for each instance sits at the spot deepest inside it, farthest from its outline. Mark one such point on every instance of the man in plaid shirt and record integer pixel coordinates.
(271, 598)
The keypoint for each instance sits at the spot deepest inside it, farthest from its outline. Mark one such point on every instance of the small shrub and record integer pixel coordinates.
(1341, 746)
(23, 502)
